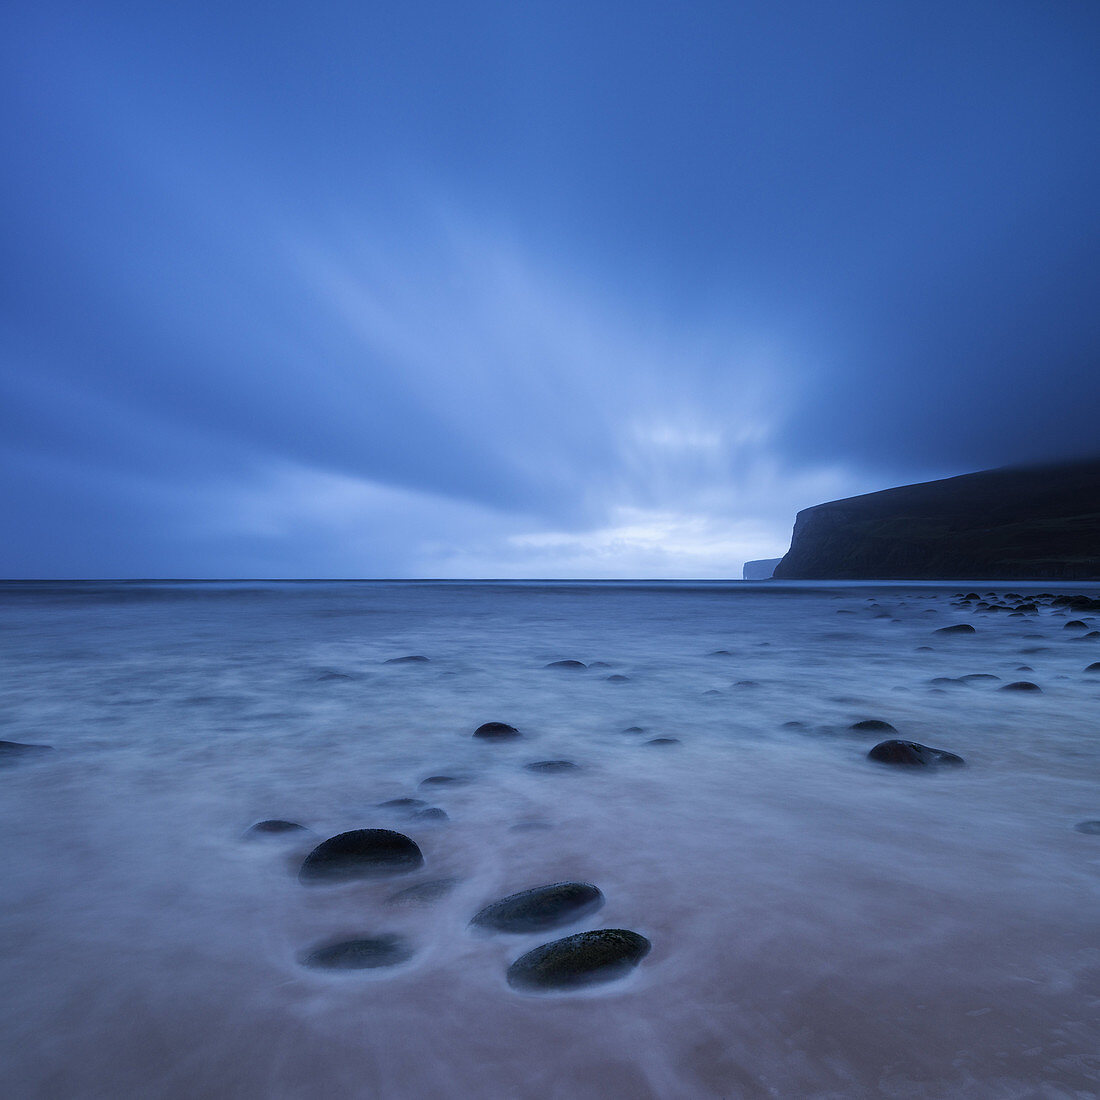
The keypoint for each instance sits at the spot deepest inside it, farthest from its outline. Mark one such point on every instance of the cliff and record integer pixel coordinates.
(759, 570)
(1014, 523)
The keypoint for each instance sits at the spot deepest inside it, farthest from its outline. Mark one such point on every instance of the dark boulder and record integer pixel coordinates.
(275, 827)
(1094, 667)
(415, 659)
(497, 731)
(911, 754)
(958, 628)
(1075, 624)
(586, 958)
(1020, 685)
(616, 678)
(634, 729)
(1090, 827)
(664, 741)
(432, 813)
(541, 908)
(12, 752)
(363, 954)
(444, 781)
(567, 664)
(361, 853)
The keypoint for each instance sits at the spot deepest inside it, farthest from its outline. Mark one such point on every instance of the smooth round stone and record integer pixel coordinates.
(361, 853)
(977, 677)
(584, 959)
(363, 954)
(1094, 667)
(443, 780)
(497, 731)
(664, 741)
(874, 725)
(275, 827)
(1075, 624)
(567, 664)
(958, 628)
(1090, 827)
(1020, 685)
(551, 767)
(541, 908)
(402, 804)
(432, 813)
(13, 751)
(911, 754)
(616, 678)
(423, 893)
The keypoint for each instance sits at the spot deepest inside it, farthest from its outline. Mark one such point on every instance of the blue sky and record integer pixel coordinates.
(525, 289)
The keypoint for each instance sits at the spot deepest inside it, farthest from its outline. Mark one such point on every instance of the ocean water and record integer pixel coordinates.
(822, 926)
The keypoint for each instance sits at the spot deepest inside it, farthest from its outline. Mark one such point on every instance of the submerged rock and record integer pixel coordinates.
(423, 893)
(414, 659)
(402, 804)
(275, 827)
(552, 766)
(1094, 667)
(1075, 624)
(911, 754)
(873, 725)
(444, 780)
(363, 954)
(664, 741)
(541, 908)
(361, 853)
(567, 664)
(584, 959)
(497, 731)
(958, 628)
(616, 678)
(1020, 685)
(1091, 827)
(634, 729)
(432, 813)
(12, 752)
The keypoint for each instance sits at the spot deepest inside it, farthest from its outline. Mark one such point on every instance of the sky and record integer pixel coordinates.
(524, 289)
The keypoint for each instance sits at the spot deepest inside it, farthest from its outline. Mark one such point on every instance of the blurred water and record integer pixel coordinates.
(821, 926)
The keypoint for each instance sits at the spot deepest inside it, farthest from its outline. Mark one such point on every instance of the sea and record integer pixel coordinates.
(822, 925)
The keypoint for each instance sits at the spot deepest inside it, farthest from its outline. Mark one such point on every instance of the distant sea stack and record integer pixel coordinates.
(760, 570)
(1024, 523)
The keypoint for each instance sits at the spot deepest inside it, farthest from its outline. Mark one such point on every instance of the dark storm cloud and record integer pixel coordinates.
(529, 288)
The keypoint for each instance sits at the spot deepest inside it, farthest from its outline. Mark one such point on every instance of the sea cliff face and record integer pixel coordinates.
(1021, 524)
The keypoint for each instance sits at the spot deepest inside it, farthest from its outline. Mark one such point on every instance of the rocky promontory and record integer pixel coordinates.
(1024, 523)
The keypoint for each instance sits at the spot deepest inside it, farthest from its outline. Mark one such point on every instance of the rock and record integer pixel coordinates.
(1020, 685)
(444, 781)
(745, 684)
(976, 677)
(617, 678)
(1091, 827)
(497, 731)
(274, 827)
(873, 725)
(432, 813)
(363, 954)
(634, 729)
(712, 691)
(326, 676)
(912, 754)
(664, 741)
(793, 725)
(415, 659)
(958, 628)
(361, 853)
(541, 908)
(720, 653)
(1094, 667)
(402, 804)
(11, 752)
(529, 827)
(586, 958)
(566, 664)
(552, 766)
(598, 664)
(423, 893)
(1075, 624)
